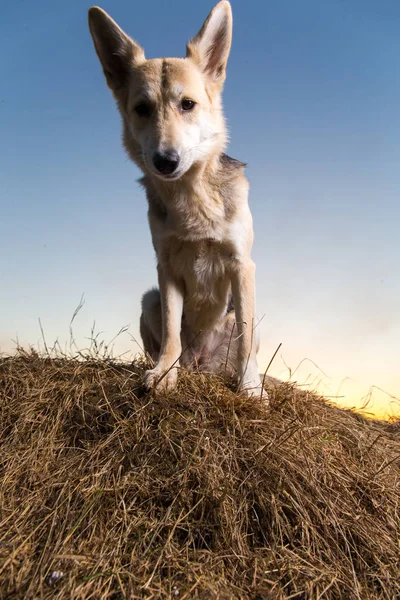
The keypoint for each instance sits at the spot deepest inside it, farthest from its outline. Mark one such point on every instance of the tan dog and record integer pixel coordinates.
(201, 226)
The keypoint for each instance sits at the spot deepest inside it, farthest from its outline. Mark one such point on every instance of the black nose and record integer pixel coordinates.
(166, 162)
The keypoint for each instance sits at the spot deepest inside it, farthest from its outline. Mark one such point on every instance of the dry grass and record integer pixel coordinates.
(109, 492)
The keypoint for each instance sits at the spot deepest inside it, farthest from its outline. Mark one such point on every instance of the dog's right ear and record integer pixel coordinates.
(116, 50)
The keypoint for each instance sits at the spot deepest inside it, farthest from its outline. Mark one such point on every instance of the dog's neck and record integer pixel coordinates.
(202, 201)
(198, 181)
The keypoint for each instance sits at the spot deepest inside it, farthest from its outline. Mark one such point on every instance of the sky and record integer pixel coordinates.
(312, 101)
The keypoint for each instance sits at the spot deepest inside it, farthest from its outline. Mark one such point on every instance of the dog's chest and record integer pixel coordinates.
(192, 215)
(194, 242)
(202, 261)
(195, 219)
(204, 270)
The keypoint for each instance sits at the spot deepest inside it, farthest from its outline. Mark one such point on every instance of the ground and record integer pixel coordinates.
(108, 491)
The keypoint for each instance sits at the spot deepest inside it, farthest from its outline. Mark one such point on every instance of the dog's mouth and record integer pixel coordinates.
(168, 176)
(171, 177)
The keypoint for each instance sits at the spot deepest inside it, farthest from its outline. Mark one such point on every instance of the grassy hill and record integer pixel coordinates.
(108, 492)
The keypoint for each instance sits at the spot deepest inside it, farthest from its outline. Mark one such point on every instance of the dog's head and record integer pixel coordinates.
(171, 108)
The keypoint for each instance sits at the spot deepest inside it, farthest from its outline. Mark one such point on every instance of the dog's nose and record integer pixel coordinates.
(166, 162)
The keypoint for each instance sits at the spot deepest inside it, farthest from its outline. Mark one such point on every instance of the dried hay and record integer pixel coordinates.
(108, 492)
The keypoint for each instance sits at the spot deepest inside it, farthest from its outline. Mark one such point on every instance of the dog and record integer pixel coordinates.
(203, 313)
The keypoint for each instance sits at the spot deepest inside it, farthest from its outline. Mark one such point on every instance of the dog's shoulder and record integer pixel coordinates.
(231, 167)
(232, 183)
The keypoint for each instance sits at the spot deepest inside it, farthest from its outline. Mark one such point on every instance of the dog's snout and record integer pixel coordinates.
(166, 162)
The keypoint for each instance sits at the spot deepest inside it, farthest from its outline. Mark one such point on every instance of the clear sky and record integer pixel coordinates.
(312, 100)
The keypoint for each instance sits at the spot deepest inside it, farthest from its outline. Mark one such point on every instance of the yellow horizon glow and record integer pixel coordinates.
(348, 392)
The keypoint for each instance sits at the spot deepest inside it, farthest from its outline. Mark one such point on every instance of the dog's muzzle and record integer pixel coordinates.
(166, 163)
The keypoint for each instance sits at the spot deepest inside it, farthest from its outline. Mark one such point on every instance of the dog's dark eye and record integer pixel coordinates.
(187, 104)
(143, 109)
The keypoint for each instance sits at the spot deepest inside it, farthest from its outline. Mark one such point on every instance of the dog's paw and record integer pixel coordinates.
(255, 389)
(162, 380)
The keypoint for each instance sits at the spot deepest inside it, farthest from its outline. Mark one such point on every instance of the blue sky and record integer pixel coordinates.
(312, 101)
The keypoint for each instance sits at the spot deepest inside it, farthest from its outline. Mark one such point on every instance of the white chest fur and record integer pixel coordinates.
(203, 268)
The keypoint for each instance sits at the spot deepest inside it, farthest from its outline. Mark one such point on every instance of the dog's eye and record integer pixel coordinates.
(143, 110)
(187, 104)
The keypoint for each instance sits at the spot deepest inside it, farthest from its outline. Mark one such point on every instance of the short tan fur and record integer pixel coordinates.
(203, 314)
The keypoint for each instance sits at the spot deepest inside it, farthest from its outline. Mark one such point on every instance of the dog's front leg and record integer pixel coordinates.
(243, 290)
(164, 375)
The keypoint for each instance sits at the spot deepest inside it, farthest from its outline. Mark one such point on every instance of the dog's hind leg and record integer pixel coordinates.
(151, 323)
(223, 349)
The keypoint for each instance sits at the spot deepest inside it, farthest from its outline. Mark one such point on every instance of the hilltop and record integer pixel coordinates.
(110, 492)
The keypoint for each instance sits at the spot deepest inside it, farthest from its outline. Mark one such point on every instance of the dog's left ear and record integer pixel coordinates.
(210, 48)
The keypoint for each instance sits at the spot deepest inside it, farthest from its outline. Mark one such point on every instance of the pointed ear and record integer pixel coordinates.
(116, 51)
(210, 48)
